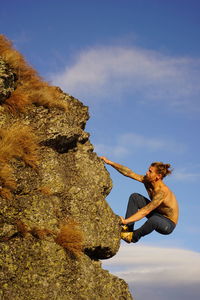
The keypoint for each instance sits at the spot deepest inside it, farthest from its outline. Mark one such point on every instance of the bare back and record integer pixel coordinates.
(169, 205)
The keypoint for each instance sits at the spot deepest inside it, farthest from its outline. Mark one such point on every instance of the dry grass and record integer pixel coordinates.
(40, 233)
(17, 101)
(7, 178)
(17, 142)
(45, 190)
(8, 183)
(22, 228)
(31, 88)
(6, 193)
(70, 238)
(20, 142)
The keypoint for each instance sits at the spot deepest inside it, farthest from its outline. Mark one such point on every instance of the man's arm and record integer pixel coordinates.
(123, 170)
(143, 212)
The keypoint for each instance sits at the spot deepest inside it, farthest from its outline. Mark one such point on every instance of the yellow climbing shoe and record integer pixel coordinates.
(124, 228)
(127, 236)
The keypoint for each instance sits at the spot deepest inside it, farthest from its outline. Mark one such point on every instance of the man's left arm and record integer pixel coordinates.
(143, 212)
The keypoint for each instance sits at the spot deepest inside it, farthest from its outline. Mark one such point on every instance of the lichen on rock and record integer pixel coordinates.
(54, 197)
(7, 81)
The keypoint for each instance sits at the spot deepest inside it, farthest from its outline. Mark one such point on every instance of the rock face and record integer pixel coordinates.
(55, 222)
(7, 81)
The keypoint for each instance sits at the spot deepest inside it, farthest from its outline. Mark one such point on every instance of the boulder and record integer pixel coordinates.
(56, 225)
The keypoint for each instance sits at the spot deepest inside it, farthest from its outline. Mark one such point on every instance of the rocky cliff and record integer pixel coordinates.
(55, 223)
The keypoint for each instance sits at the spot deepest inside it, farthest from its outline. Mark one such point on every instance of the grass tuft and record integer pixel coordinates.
(22, 228)
(20, 142)
(6, 193)
(6, 177)
(17, 101)
(17, 142)
(45, 190)
(31, 89)
(70, 238)
(40, 233)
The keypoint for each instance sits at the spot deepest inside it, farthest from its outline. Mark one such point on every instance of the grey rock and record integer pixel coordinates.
(7, 81)
(77, 184)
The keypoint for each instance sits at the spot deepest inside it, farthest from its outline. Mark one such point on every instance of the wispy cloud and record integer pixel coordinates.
(155, 267)
(186, 174)
(130, 143)
(102, 72)
(151, 143)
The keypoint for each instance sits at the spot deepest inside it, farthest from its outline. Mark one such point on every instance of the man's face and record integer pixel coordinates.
(151, 174)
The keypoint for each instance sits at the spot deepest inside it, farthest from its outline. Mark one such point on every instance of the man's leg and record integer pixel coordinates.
(155, 222)
(136, 201)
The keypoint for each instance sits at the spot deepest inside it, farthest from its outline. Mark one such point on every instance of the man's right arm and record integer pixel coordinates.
(123, 170)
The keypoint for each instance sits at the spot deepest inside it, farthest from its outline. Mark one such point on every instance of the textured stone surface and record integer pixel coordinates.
(7, 81)
(77, 184)
(46, 272)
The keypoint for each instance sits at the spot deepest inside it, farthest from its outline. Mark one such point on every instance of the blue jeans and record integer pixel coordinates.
(155, 220)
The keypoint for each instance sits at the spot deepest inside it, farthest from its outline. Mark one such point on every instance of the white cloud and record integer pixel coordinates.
(129, 143)
(151, 143)
(153, 268)
(185, 174)
(108, 72)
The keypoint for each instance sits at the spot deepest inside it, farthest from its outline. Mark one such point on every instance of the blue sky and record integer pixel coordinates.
(136, 64)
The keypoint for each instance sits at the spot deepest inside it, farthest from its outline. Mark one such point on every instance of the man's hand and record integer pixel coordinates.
(107, 161)
(123, 221)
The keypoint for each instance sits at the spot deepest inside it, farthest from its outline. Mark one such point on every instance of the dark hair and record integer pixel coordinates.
(163, 169)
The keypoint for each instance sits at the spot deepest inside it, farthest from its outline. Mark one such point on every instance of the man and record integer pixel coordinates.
(161, 210)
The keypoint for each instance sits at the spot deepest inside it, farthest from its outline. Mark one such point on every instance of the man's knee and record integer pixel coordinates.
(134, 196)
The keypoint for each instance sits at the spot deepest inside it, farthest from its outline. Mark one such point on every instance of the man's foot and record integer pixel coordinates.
(127, 236)
(124, 228)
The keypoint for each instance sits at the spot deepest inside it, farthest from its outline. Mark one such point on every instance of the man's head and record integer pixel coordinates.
(157, 171)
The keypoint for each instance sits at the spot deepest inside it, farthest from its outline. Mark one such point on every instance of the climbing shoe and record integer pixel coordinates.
(124, 228)
(127, 236)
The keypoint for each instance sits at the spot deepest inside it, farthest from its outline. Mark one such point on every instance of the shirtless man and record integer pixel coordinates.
(161, 210)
